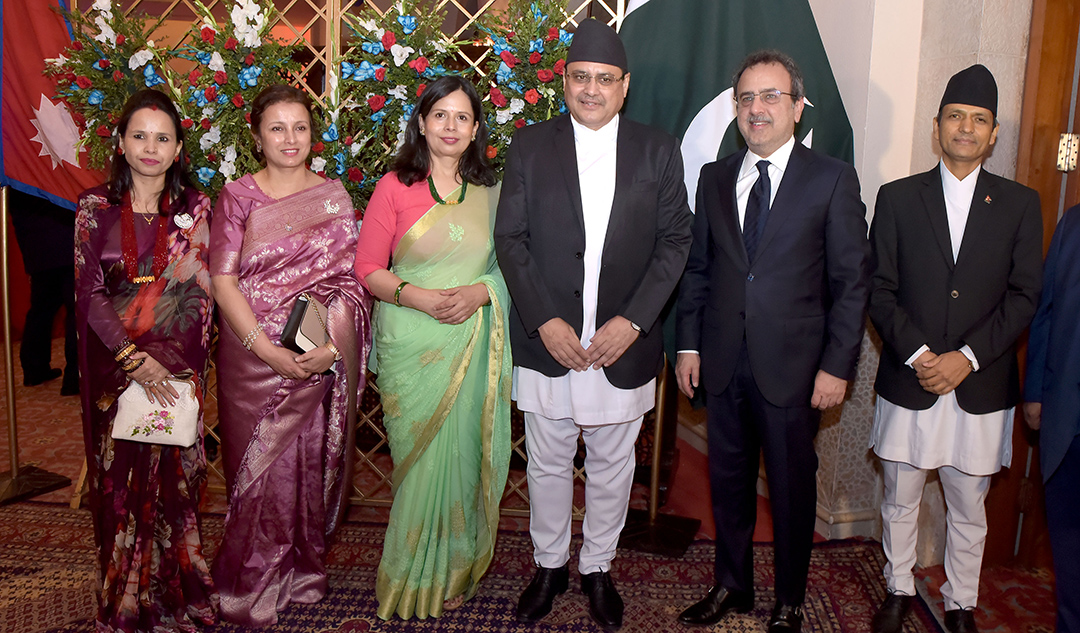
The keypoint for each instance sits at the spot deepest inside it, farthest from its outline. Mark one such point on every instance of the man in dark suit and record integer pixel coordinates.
(592, 233)
(1052, 391)
(957, 269)
(770, 319)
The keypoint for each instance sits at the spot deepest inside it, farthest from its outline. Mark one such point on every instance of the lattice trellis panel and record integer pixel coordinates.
(321, 31)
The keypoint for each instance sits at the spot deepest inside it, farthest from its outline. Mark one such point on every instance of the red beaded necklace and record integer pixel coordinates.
(129, 246)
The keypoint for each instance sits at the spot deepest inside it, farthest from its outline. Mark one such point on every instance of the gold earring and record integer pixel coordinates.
(421, 131)
(258, 146)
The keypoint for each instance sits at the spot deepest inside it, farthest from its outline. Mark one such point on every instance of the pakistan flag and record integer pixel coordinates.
(682, 54)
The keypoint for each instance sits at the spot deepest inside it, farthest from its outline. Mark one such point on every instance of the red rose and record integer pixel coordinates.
(113, 118)
(103, 131)
(212, 157)
(211, 92)
(247, 117)
(553, 34)
(532, 96)
(205, 123)
(508, 58)
(187, 123)
(69, 76)
(83, 82)
(348, 140)
(207, 34)
(376, 102)
(510, 35)
(420, 89)
(220, 77)
(250, 59)
(104, 63)
(497, 98)
(388, 39)
(545, 75)
(491, 152)
(238, 100)
(193, 76)
(560, 66)
(520, 123)
(355, 174)
(230, 44)
(120, 39)
(420, 64)
(117, 76)
(380, 73)
(318, 147)
(77, 45)
(534, 58)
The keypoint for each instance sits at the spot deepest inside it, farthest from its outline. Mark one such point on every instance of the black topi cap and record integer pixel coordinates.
(597, 42)
(974, 86)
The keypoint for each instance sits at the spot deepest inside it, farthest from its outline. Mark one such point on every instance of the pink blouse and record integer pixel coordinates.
(392, 211)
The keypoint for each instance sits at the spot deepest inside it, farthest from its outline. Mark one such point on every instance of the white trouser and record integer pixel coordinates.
(609, 465)
(965, 521)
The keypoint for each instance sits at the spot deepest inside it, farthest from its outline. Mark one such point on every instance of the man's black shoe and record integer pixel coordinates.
(890, 615)
(605, 605)
(785, 619)
(34, 379)
(715, 606)
(961, 621)
(535, 601)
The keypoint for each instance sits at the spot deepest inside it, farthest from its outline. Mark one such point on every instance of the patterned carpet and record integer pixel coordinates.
(53, 544)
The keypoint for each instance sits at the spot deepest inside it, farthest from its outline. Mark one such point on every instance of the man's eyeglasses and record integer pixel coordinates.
(605, 80)
(768, 97)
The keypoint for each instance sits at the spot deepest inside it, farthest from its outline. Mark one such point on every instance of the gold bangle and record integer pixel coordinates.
(124, 352)
(252, 336)
(333, 348)
(397, 293)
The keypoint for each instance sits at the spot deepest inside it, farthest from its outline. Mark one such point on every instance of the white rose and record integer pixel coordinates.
(139, 59)
(401, 53)
(216, 62)
(355, 148)
(516, 106)
(227, 169)
(212, 137)
(502, 116)
(229, 155)
(318, 164)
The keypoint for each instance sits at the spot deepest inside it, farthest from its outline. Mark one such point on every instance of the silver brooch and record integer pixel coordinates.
(184, 220)
(331, 208)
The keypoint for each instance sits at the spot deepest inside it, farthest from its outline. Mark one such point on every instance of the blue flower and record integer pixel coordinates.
(151, 77)
(249, 76)
(331, 133)
(222, 98)
(97, 65)
(516, 86)
(562, 108)
(373, 48)
(198, 97)
(204, 58)
(379, 116)
(503, 73)
(365, 71)
(205, 175)
(407, 22)
(536, 46)
(433, 71)
(408, 111)
(565, 38)
(95, 97)
(539, 17)
(498, 44)
(340, 158)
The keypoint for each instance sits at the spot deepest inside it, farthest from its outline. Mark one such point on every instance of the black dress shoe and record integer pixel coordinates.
(605, 605)
(33, 379)
(715, 606)
(961, 621)
(70, 386)
(785, 619)
(890, 615)
(535, 601)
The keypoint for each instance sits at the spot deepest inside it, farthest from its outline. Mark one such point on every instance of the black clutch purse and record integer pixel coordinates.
(306, 328)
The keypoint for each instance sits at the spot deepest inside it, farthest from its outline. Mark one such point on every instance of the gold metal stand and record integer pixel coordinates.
(29, 481)
(652, 532)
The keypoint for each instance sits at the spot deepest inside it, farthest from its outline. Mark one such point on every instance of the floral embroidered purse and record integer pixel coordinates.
(139, 420)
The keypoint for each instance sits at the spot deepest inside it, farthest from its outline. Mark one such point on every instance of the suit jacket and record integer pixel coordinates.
(800, 305)
(1053, 360)
(540, 242)
(985, 300)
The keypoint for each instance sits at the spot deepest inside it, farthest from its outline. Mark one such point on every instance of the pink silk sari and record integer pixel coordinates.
(285, 442)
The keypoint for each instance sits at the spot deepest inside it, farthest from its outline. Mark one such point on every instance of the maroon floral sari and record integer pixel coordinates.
(144, 497)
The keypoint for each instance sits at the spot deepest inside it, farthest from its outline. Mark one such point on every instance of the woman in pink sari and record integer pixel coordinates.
(286, 422)
(142, 297)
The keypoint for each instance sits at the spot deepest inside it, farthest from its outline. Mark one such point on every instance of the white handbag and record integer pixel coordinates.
(139, 420)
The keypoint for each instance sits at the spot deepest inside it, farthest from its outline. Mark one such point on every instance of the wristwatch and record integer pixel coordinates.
(635, 326)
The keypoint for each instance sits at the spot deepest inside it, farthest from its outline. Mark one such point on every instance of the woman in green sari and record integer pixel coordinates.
(442, 351)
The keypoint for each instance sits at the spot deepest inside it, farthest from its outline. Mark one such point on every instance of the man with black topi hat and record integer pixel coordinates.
(592, 234)
(957, 271)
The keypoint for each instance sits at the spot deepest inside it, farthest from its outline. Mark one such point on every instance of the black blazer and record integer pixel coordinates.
(985, 300)
(540, 242)
(801, 304)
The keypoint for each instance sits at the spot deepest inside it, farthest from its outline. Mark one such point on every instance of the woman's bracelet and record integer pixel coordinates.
(132, 364)
(123, 350)
(397, 293)
(252, 336)
(333, 348)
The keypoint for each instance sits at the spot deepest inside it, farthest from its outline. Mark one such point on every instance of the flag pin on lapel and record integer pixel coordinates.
(987, 201)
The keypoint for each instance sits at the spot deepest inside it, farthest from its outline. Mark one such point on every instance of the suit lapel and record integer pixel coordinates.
(728, 234)
(566, 155)
(786, 200)
(933, 197)
(977, 229)
(626, 151)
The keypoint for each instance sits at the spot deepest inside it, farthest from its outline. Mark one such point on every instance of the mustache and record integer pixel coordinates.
(760, 118)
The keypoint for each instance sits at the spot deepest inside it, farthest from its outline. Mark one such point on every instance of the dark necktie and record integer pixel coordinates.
(757, 210)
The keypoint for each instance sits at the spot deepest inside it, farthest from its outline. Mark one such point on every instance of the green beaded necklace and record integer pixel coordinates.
(435, 192)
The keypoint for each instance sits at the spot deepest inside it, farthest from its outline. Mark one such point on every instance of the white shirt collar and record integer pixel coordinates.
(778, 159)
(607, 134)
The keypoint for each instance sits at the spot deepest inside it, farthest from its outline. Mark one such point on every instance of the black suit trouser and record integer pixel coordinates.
(50, 290)
(1063, 523)
(741, 425)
